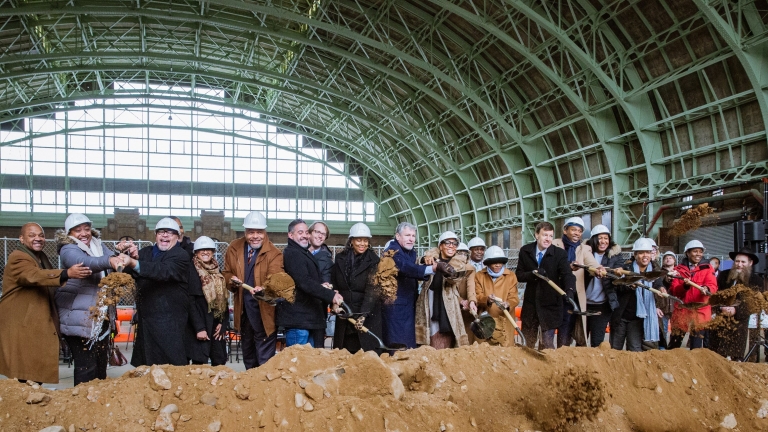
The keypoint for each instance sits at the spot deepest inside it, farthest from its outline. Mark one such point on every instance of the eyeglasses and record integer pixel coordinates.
(165, 232)
(451, 243)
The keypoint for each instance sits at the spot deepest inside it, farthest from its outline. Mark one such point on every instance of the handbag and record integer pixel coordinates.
(116, 358)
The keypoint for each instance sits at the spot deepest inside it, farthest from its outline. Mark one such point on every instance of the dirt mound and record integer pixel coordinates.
(280, 285)
(691, 219)
(471, 388)
(114, 286)
(385, 278)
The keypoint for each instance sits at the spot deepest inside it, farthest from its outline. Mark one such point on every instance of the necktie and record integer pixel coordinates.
(250, 255)
(540, 256)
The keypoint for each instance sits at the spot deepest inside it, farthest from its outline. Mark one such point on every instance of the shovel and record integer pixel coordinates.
(259, 295)
(576, 311)
(687, 281)
(511, 319)
(483, 326)
(349, 316)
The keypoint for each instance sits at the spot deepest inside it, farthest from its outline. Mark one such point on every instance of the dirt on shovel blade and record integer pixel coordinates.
(385, 278)
(280, 285)
(113, 287)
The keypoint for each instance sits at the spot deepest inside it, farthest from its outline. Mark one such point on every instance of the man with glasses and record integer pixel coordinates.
(161, 273)
(185, 242)
(318, 234)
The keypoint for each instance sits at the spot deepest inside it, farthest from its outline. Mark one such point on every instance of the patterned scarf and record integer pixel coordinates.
(213, 286)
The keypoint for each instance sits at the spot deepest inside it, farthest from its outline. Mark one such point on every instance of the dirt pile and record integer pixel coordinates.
(691, 219)
(114, 287)
(280, 285)
(385, 278)
(471, 388)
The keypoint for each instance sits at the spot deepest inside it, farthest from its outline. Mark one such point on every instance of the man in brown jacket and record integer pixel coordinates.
(29, 335)
(250, 260)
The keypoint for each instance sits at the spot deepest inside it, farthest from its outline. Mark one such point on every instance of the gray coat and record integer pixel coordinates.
(74, 300)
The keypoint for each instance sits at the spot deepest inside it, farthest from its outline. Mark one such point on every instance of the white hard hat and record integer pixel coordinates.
(360, 230)
(670, 253)
(574, 221)
(477, 241)
(447, 235)
(600, 229)
(653, 243)
(693, 244)
(167, 223)
(74, 220)
(462, 247)
(494, 255)
(642, 244)
(255, 220)
(204, 242)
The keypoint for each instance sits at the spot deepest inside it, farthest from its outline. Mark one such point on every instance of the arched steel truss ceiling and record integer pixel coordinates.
(562, 99)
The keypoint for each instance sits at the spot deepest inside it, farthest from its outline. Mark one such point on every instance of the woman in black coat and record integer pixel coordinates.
(208, 307)
(352, 276)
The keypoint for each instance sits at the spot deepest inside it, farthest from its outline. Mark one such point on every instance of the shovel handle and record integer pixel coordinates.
(250, 289)
(363, 329)
(119, 268)
(697, 286)
(549, 281)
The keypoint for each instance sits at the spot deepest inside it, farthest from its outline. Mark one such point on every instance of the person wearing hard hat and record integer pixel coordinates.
(597, 294)
(497, 282)
(318, 234)
(571, 243)
(463, 250)
(352, 276)
(251, 259)
(304, 320)
(208, 308)
(79, 243)
(543, 306)
(162, 301)
(635, 321)
(439, 322)
(731, 340)
(466, 286)
(399, 318)
(691, 269)
(476, 253)
(29, 324)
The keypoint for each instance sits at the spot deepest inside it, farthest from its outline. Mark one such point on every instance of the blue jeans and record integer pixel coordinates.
(298, 337)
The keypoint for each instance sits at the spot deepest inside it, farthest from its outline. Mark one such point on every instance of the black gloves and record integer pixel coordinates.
(446, 269)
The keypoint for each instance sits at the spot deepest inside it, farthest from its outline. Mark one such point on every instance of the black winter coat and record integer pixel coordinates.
(324, 259)
(627, 294)
(539, 298)
(360, 294)
(199, 351)
(162, 304)
(309, 310)
(731, 341)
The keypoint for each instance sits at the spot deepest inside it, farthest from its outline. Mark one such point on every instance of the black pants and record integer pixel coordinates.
(90, 364)
(596, 324)
(696, 340)
(258, 347)
(218, 353)
(630, 332)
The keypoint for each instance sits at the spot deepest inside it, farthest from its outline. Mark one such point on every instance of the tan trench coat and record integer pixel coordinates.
(29, 337)
(452, 307)
(269, 261)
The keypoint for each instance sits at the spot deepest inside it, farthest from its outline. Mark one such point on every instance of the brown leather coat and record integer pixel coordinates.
(29, 336)
(505, 288)
(269, 261)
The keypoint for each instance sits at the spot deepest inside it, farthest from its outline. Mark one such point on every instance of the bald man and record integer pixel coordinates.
(29, 324)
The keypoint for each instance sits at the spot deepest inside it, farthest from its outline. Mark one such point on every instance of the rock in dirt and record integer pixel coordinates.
(241, 391)
(93, 394)
(668, 377)
(54, 429)
(308, 406)
(763, 411)
(38, 398)
(314, 391)
(209, 399)
(299, 400)
(459, 377)
(214, 426)
(152, 401)
(158, 379)
(729, 422)
(164, 421)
